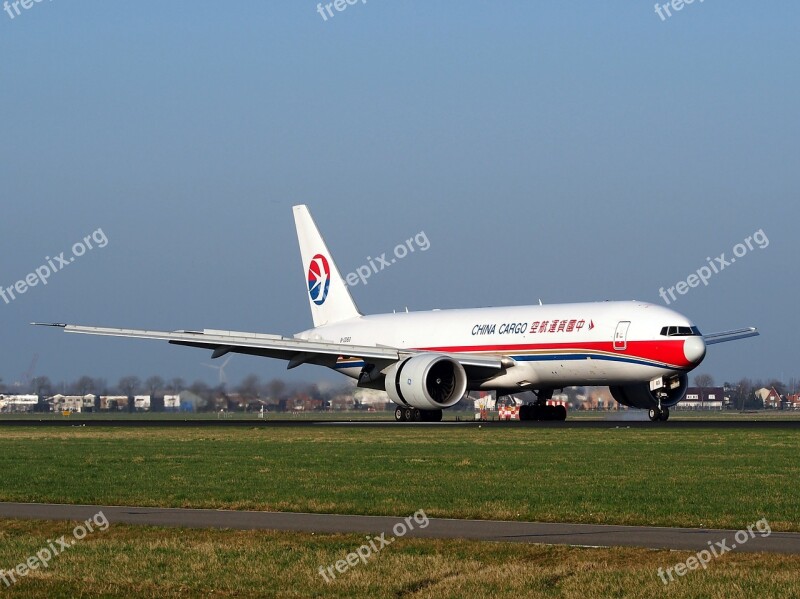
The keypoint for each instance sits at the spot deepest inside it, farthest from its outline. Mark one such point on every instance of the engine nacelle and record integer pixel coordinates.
(640, 395)
(426, 382)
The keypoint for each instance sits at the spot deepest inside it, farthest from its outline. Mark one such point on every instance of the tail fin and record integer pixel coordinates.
(328, 296)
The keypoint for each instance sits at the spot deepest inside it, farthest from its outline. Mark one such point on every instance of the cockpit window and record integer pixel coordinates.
(681, 332)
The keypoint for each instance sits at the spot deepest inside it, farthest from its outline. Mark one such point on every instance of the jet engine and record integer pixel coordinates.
(426, 382)
(641, 396)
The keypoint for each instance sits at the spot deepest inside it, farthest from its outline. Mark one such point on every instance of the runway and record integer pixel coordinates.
(584, 535)
(50, 421)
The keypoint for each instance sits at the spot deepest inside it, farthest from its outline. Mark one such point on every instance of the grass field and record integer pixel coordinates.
(127, 561)
(724, 478)
(684, 477)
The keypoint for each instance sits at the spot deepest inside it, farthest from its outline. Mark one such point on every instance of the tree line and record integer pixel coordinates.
(251, 387)
(741, 392)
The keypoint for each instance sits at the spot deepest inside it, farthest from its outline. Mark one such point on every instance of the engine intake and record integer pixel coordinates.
(426, 382)
(640, 395)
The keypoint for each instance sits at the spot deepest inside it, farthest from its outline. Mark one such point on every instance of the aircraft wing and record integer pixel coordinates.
(296, 351)
(730, 335)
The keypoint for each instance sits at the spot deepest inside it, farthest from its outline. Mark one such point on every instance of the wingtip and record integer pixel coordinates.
(60, 325)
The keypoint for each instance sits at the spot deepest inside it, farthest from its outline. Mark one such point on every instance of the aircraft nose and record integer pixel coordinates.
(694, 348)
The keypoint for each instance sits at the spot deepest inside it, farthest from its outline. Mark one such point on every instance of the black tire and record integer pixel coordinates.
(399, 414)
(431, 415)
(560, 413)
(664, 415)
(655, 414)
(408, 415)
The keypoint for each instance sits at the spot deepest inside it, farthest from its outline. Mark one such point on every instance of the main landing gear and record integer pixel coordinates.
(414, 415)
(661, 414)
(542, 412)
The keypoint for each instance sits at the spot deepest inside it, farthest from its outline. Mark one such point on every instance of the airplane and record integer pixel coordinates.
(427, 361)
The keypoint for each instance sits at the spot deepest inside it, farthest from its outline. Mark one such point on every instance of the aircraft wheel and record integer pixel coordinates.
(664, 416)
(431, 415)
(408, 415)
(399, 415)
(655, 414)
(560, 413)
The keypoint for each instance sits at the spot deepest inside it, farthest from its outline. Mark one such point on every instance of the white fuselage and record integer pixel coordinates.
(559, 345)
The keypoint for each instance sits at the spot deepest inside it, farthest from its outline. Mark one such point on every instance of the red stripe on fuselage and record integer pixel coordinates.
(668, 352)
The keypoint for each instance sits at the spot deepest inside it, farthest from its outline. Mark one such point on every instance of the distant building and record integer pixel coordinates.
(71, 403)
(599, 398)
(172, 403)
(372, 398)
(18, 403)
(703, 398)
(343, 401)
(191, 402)
(792, 402)
(771, 398)
(114, 402)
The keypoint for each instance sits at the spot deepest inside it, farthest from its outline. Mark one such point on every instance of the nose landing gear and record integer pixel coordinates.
(661, 414)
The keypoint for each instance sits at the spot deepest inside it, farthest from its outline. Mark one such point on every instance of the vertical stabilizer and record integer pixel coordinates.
(328, 296)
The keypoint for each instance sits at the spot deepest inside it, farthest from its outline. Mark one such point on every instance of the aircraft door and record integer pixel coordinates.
(621, 335)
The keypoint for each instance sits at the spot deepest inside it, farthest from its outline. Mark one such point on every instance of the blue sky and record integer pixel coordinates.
(569, 152)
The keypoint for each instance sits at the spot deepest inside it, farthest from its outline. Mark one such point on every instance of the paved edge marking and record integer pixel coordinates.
(546, 533)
